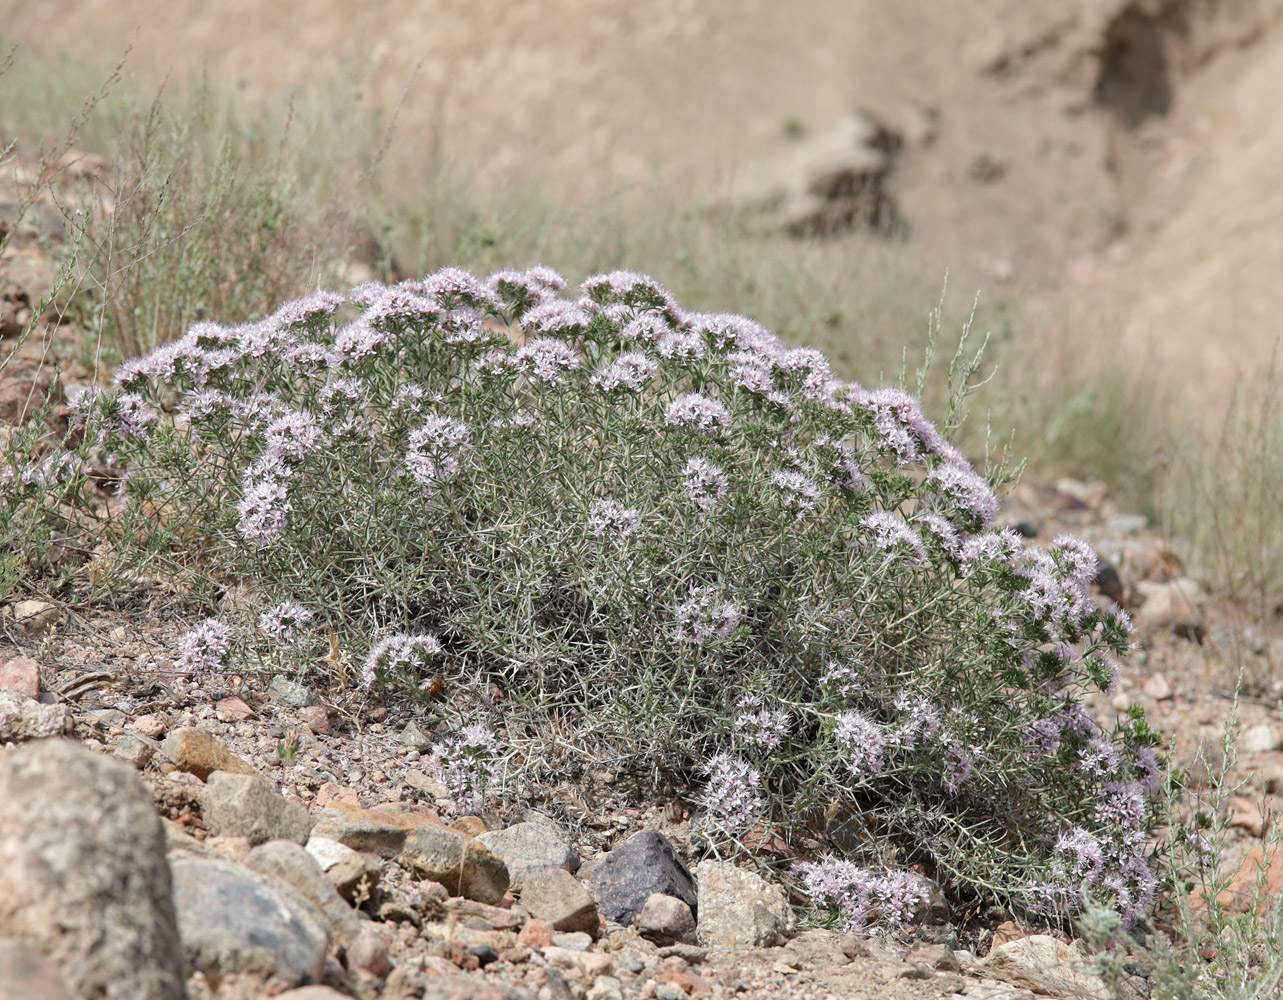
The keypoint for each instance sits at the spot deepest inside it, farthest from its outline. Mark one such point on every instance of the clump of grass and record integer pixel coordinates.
(662, 533)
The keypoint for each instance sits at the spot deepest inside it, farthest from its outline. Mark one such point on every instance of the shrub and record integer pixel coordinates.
(665, 538)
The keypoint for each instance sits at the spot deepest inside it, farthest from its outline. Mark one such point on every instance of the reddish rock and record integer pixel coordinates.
(1005, 932)
(150, 725)
(317, 719)
(692, 983)
(330, 794)
(200, 754)
(1246, 814)
(536, 934)
(21, 675)
(936, 956)
(1237, 896)
(233, 709)
(368, 953)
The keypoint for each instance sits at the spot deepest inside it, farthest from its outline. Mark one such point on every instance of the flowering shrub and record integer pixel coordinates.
(671, 534)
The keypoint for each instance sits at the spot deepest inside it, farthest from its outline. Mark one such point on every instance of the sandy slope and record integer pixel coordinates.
(1118, 158)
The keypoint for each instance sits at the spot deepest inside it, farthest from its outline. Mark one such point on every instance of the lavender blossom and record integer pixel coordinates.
(545, 359)
(921, 720)
(681, 345)
(799, 493)
(291, 436)
(760, 726)
(307, 358)
(263, 508)
(751, 372)
(556, 316)
(308, 312)
(454, 288)
(203, 650)
(694, 410)
(841, 680)
(705, 483)
(630, 287)
(1099, 757)
(967, 490)
(733, 793)
(468, 765)
(285, 623)
(609, 517)
(1084, 851)
(891, 533)
(398, 654)
(53, 470)
(944, 531)
(649, 327)
(359, 340)
(864, 742)
(521, 290)
(703, 619)
(862, 896)
(1003, 546)
(1122, 803)
(432, 454)
(904, 430)
(813, 369)
(630, 372)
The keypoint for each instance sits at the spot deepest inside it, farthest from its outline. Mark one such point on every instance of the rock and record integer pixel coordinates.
(554, 895)
(368, 953)
(739, 909)
(233, 709)
(497, 917)
(21, 676)
(316, 993)
(83, 877)
(1175, 606)
(151, 726)
(1005, 932)
(352, 873)
(573, 940)
(425, 846)
(288, 692)
(200, 754)
(291, 864)
(820, 946)
(317, 719)
(1262, 738)
(413, 737)
(1045, 965)
(27, 975)
(22, 719)
(1237, 897)
(24, 386)
(937, 957)
(605, 988)
(236, 920)
(1157, 687)
(536, 934)
(643, 864)
(1108, 582)
(133, 751)
(666, 920)
(527, 847)
(1246, 815)
(242, 805)
(34, 617)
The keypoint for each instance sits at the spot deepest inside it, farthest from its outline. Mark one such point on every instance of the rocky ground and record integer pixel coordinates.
(308, 857)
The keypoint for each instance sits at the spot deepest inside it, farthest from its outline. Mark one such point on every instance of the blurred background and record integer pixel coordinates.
(1103, 174)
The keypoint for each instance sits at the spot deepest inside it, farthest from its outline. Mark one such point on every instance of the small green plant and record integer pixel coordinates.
(665, 537)
(287, 749)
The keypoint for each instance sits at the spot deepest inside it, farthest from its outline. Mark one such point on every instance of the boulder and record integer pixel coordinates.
(83, 878)
(644, 864)
(527, 847)
(554, 895)
(233, 919)
(241, 805)
(22, 719)
(200, 754)
(740, 909)
(291, 864)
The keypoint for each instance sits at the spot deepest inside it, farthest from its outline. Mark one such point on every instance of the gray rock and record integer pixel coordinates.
(34, 617)
(352, 873)
(1046, 965)
(1261, 738)
(1175, 606)
(367, 953)
(236, 920)
(413, 737)
(25, 974)
(740, 909)
(291, 864)
(666, 920)
(133, 751)
(22, 719)
(643, 864)
(527, 847)
(288, 692)
(240, 805)
(83, 878)
(554, 895)
(424, 846)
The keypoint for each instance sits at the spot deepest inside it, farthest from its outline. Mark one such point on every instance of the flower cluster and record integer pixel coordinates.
(863, 896)
(398, 654)
(733, 793)
(759, 726)
(203, 650)
(705, 618)
(286, 623)
(610, 517)
(468, 764)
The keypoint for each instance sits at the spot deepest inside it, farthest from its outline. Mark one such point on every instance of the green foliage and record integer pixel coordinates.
(664, 536)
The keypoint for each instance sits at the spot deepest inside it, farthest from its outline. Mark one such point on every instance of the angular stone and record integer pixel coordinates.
(133, 751)
(236, 920)
(554, 895)
(21, 675)
(740, 909)
(1045, 965)
(291, 864)
(22, 719)
(1262, 738)
(527, 847)
(233, 709)
(288, 692)
(200, 754)
(367, 953)
(666, 920)
(413, 737)
(643, 864)
(241, 805)
(1175, 606)
(354, 874)
(83, 877)
(317, 719)
(426, 847)
(36, 616)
